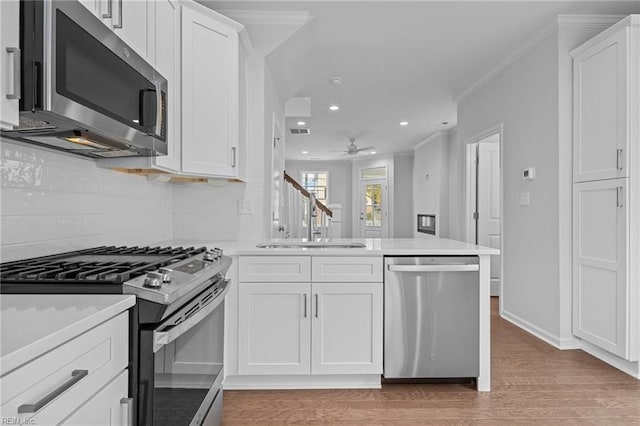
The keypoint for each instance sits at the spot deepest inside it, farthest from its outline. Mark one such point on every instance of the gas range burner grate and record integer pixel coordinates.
(100, 265)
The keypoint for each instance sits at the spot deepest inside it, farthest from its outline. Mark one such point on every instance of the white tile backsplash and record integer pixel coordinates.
(52, 202)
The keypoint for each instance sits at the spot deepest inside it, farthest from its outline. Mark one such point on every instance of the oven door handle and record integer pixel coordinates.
(162, 338)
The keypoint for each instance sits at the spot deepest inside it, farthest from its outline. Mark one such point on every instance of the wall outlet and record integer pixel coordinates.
(524, 199)
(245, 206)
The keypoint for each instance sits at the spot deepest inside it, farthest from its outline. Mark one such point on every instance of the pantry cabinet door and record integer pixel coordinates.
(347, 328)
(274, 328)
(601, 298)
(601, 96)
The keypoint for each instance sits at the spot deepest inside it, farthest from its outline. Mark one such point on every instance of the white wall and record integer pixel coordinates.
(404, 221)
(531, 98)
(53, 202)
(431, 182)
(339, 186)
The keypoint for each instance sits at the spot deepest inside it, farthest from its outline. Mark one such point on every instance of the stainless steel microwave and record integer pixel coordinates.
(83, 90)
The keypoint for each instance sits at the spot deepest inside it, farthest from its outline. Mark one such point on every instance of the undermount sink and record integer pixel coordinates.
(311, 244)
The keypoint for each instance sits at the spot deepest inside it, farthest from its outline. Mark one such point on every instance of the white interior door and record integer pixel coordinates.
(373, 208)
(488, 204)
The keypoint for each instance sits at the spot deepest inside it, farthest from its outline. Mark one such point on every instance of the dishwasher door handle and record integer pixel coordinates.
(433, 268)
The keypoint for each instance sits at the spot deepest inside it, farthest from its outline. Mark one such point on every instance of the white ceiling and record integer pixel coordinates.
(398, 61)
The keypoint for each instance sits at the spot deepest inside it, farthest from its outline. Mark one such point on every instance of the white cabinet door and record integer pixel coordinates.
(106, 408)
(274, 328)
(10, 63)
(209, 95)
(167, 56)
(601, 97)
(600, 250)
(130, 21)
(347, 328)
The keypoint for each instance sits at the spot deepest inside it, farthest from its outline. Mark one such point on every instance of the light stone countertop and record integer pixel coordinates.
(34, 324)
(374, 247)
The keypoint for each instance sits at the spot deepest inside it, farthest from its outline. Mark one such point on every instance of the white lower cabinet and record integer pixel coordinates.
(308, 328)
(346, 328)
(275, 328)
(602, 305)
(107, 407)
(9, 63)
(83, 381)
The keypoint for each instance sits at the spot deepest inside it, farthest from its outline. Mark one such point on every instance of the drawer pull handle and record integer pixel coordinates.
(76, 376)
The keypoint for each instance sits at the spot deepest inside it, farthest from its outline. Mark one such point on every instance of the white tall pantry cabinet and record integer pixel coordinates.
(606, 202)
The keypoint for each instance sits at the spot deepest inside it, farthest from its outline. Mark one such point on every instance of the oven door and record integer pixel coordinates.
(181, 365)
(92, 77)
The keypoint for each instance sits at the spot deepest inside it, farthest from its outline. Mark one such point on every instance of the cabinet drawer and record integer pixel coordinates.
(274, 269)
(101, 351)
(347, 269)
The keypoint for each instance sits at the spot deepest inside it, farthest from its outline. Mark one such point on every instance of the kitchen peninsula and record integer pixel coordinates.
(300, 317)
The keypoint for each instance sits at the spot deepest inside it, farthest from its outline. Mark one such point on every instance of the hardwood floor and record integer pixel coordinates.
(532, 383)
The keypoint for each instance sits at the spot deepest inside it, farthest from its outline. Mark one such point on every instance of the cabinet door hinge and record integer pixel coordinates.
(475, 215)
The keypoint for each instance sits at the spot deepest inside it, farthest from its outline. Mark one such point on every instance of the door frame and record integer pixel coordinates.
(470, 190)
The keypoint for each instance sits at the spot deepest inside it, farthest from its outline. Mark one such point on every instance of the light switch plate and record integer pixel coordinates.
(524, 199)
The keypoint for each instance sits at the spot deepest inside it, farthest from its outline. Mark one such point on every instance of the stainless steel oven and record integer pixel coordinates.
(82, 89)
(176, 336)
(181, 363)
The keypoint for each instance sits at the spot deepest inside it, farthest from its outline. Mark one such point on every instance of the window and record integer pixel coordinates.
(317, 184)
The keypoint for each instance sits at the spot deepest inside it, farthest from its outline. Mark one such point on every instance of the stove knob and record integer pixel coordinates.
(209, 256)
(166, 274)
(153, 280)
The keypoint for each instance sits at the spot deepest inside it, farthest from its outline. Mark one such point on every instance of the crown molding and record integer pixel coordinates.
(268, 17)
(562, 21)
(431, 138)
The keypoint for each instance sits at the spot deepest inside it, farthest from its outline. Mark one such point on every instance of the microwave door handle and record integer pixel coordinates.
(159, 109)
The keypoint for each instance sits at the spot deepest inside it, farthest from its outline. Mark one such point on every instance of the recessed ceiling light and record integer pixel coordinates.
(404, 123)
(372, 152)
(335, 81)
(305, 152)
(334, 107)
(301, 123)
(444, 123)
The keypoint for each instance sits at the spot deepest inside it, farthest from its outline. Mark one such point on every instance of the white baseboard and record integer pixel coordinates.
(337, 381)
(629, 367)
(541, 334)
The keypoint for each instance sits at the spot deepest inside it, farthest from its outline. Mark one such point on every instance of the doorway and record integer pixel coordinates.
(373, 208)
(484, 198)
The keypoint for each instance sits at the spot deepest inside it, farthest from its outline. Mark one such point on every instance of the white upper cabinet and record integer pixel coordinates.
(10, 63)
(601, 73)
(167, 62)
(130, 19)
(209, 93)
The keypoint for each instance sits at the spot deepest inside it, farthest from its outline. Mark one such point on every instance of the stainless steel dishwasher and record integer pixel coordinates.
(431, 321)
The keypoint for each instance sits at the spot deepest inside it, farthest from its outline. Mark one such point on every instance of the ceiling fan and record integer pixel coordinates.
(352, 148)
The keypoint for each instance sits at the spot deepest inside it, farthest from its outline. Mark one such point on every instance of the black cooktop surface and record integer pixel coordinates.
(99, 269)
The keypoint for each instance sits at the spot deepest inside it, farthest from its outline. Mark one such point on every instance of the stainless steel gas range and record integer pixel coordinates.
(180, 303)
